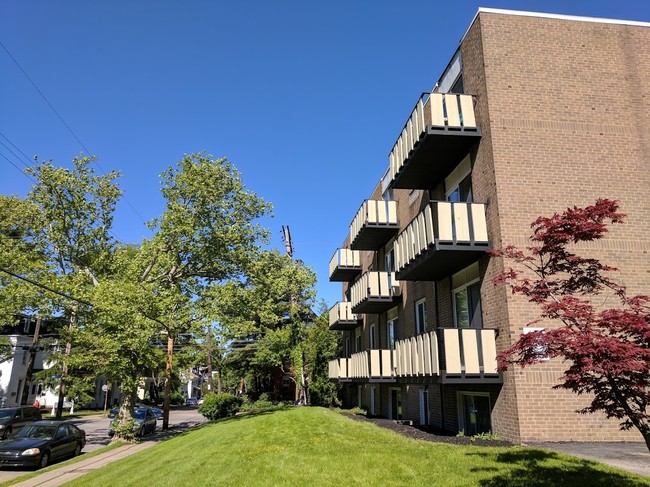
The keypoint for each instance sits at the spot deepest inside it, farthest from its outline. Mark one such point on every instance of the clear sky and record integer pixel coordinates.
(305, 98)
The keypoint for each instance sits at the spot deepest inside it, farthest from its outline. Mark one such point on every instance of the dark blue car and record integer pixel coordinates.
(39, 443)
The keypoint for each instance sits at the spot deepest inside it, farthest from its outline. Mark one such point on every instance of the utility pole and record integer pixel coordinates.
(30, 365)
(301, 393)
(286, 234)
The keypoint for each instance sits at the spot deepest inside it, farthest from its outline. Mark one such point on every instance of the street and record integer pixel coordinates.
(96, 428)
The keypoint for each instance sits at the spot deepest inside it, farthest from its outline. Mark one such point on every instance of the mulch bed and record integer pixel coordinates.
(428, 434)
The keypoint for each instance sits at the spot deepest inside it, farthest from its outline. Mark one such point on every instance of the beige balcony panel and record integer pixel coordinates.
(408, 366)
(467, 108)
(371, 214)
(445, 228)
(409, 131)
(426, 345)
(479, 223)
(437, 111)
(373, 284)
(428, 218)
(375, 363)
(392, 211)
(489, 344)
(382, 215)
(333, 369)
(452, 351)
(420, 355)
(461, 222)
(386, 361)
(453, 117)
(419, 118)
(470, 351)
(343, 369)
(435, 360)
(406, 143)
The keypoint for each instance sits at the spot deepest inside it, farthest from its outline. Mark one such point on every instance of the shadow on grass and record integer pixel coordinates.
(537, 468)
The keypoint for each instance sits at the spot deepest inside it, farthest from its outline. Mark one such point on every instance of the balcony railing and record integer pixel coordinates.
(442, 239)
(345, 265)
(374, 225)
(466, 353)
(369, 364)
(375, 292)
(342, 317)
(438, 134)
(447, 355)
(469, 352)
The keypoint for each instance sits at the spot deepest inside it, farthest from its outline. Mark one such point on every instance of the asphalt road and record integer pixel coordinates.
(96, 428)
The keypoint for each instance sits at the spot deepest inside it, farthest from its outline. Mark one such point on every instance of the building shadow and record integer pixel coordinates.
(543, 468)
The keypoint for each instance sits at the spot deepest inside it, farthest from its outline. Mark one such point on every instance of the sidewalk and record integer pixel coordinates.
(67, 473)
(631, 456)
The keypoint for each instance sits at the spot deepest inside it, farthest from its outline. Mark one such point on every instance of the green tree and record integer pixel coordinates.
(208, 233)
(321, 346)
(270, 308)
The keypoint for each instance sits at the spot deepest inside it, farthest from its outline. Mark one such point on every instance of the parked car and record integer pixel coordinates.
(40, 442)
(191, 401)
(157, 411)
(145, 422)
(13, 419)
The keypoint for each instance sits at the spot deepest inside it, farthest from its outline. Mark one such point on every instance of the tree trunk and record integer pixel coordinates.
(30, 365)
(208, 346)
(168, 381)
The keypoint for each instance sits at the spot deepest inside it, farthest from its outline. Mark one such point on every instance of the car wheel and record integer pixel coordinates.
(77, 450)
(45, 459)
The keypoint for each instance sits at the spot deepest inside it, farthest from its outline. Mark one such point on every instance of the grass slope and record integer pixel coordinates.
(315, 446)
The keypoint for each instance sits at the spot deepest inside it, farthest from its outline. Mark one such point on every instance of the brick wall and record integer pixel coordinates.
(564, 111)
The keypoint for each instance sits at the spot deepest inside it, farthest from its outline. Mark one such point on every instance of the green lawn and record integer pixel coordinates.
(315, 446)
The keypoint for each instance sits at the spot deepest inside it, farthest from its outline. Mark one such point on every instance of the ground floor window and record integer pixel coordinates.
(474, 413)
(371, 409)
(424, 407)
(395, 404)
(359, 396)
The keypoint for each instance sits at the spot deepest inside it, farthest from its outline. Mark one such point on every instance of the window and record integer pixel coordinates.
(347, 347)
(391, 326)
(474, 413)
(28, 322)
(390, 260)
(420, 316)
(458, 185)
(390, 333)
(466, 294)
(372, 337)
(372, 401)
(357, 340)
(24, 357)
(424, 407)
(395, 404)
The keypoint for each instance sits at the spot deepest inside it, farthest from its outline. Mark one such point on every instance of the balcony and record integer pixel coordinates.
(442, 239)
(374, 225)
(449, 355)
(439, 133)
(468, 354)
(372, 365)
(342, 317)
(345, 265)
(375, 292)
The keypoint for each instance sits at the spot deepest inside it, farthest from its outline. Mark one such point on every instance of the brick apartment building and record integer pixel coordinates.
(533, 114)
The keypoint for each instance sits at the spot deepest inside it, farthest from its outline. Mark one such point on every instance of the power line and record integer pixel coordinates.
(17, 148)
(19, 169)
(14, 154)
(68, 127)
(43, 286)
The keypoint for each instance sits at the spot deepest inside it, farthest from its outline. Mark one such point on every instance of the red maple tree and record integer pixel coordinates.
(608, 350)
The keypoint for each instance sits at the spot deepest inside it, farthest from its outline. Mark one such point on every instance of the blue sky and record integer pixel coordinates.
(305, 98)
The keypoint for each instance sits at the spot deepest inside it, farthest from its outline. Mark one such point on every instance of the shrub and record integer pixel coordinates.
(216, 406)
(260, 404)
(177, 398)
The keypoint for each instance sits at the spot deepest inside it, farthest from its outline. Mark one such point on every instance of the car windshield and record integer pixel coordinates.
(37, 431)
(7, 413)
(139, 413)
